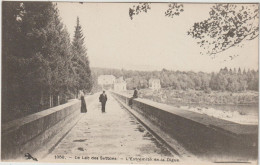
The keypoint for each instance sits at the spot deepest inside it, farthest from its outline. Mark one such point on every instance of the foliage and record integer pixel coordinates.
(227, 26)
(174, 9)
(141, 7)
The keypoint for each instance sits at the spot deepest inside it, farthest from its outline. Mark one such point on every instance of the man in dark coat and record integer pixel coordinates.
(103, 100)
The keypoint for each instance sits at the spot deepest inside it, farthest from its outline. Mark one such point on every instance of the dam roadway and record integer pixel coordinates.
(115, 135)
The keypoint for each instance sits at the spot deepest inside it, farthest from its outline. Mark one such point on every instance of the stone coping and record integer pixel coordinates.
(16, 124)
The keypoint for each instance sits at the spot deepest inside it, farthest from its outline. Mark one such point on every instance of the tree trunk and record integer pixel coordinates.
(50, 100)
(58, 100)
(41, 101)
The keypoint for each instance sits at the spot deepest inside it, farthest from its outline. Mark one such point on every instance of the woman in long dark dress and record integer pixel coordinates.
(83, 103)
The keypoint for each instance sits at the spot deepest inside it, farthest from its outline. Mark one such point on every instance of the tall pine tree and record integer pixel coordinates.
(80, 60)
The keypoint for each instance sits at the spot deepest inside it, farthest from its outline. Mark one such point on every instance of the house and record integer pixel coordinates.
(154, 84)
(106, 80)
(120, 84)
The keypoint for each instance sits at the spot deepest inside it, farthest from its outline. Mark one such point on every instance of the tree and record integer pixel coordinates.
(143, 83)
(47, 37)
(129, 84)
(10, 68)
(29, 72)
(224, 71)
(80, 61)
(205, 82)
(233, 84)
(230, 71)
(36, 58)
(227, 26)
(244, 72)
(234, 71)
(239, 71)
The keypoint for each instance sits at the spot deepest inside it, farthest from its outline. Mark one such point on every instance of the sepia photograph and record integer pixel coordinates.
(129, 82)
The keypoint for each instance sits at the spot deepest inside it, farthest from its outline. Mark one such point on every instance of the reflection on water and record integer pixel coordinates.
(242, 109)
(242, 114)
(247, 109)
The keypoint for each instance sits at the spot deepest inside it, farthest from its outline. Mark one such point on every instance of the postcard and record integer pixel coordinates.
(130, 82)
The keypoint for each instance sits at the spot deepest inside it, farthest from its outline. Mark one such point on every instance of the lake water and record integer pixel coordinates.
(244, 109)
(243, 114)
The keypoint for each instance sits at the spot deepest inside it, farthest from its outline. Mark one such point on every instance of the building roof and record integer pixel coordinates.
(120, 80)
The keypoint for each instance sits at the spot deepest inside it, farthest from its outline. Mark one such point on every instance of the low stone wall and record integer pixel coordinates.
(200, 134)
(32, 133)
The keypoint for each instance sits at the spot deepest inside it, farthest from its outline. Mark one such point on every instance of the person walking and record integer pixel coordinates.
(83, 103)
(103, 100)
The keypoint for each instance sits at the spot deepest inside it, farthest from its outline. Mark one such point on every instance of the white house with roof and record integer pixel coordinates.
(120, 84)
(106, 80)
(154, 84)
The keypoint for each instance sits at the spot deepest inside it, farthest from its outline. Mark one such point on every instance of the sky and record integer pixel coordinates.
(150, 41)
